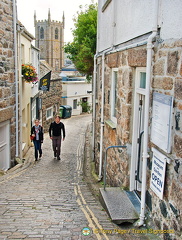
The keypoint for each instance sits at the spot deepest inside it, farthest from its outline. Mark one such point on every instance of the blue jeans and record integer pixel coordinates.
(37, 147)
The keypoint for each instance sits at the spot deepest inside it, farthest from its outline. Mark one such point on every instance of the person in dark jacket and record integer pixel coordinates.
(37, 137)
(56, 130)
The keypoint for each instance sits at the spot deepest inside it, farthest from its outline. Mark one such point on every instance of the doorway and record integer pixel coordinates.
(4, 145)
(138, 130)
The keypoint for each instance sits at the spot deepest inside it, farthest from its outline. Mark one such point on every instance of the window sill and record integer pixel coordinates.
(111, 124)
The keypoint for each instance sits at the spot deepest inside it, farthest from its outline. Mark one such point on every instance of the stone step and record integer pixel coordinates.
(121, 206)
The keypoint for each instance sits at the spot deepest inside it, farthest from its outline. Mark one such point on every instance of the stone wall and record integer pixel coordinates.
(167, 79)
(51, 99)
(7, 69)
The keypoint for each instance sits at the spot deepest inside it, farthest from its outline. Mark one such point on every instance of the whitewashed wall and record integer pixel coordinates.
(170, 19)
(76, 90)
(125, 20)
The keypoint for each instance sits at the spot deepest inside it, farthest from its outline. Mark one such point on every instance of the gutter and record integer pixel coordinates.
(146, 117)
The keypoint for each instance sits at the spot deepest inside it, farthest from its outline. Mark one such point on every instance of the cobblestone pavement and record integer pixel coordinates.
(50, 199)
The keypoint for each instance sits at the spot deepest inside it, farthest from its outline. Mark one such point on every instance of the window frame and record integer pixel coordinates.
(140, 90)
(114, 93)
(51, 113)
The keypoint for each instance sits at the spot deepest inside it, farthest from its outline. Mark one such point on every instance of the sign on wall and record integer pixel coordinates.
(44, 83)
(158, 173)
(162, 121)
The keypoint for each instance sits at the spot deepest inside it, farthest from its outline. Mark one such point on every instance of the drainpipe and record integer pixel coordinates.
(16, 73)
(93, 103)
(102, 119)
(102, 114)
(147, 99)
(103, 86)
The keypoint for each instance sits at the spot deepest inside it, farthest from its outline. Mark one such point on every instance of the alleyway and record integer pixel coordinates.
(50, 200)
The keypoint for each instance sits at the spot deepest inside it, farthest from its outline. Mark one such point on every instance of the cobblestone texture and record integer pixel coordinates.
(49, 199)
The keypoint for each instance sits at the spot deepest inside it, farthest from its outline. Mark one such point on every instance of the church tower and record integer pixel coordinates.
(49, 38)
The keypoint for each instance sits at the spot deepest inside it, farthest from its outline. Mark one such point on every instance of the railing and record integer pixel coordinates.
(105, 162)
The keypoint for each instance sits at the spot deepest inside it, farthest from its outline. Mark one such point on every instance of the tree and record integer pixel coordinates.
(81, 51)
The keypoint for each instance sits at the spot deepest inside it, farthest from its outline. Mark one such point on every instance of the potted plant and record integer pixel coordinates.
(29, 73)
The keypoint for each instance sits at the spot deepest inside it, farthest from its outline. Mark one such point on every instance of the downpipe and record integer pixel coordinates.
(102, 114)
(145, 155)
(102, 119)
(16, 74)
(94, 107)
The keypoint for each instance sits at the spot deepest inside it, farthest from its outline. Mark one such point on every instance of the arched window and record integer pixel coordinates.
(41, 33)
(56, 33)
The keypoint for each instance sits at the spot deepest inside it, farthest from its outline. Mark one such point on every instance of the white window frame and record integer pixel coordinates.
(51, 113)
(113, 93)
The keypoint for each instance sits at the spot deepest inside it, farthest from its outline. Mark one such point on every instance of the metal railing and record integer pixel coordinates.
(105, 162)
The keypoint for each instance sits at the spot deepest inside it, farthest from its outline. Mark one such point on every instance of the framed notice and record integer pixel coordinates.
(162, 121)
(158, 173)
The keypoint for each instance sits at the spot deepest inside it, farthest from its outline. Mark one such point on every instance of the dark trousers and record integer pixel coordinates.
(56, 145)
(37, 147)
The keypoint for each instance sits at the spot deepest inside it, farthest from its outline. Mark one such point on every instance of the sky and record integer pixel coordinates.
(26, 8)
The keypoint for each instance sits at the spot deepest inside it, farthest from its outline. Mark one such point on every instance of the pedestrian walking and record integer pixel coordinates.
(37, 136)
(55, 132)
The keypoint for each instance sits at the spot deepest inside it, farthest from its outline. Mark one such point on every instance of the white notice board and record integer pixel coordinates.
(158, 173)
(162, 121)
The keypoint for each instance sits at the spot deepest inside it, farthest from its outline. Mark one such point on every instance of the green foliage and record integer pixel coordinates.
(81, 51)
(85, 106)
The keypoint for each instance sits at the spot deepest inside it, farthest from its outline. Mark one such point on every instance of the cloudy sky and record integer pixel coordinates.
(26, 10)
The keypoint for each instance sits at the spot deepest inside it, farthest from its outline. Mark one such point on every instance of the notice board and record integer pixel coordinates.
(158, 173)
(162, 121)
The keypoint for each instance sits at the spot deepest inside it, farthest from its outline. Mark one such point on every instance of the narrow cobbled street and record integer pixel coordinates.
(49, 199)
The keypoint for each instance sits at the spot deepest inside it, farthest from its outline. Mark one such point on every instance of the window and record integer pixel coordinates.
(41, 33)
(75, 104)
(142, 80)
(49, 113)
(56, 33)
(22, 53)
(114, 94)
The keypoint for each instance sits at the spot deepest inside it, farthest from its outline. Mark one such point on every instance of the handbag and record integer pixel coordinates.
(31, 137)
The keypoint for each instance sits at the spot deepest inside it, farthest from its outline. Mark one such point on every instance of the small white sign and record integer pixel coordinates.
(162, 121)
(158, 173)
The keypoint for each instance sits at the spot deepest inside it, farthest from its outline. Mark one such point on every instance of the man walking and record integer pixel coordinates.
(55, 130)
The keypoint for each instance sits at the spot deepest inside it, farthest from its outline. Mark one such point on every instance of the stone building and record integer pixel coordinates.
(8, 87)
(137, 103)
(50, 100)
(49, 37)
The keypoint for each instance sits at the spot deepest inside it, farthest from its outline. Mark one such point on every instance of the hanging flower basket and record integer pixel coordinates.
(29, 73)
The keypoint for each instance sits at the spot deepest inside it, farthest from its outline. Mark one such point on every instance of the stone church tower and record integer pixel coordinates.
(50, 40)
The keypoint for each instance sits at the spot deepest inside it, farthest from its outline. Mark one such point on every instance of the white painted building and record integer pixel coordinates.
(76, 92)
(120, 21)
